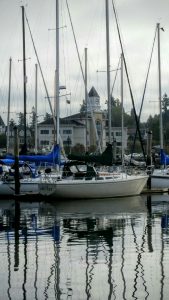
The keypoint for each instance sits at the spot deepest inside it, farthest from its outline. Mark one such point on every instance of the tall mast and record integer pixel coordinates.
(159, 85)
(24, 76)
(122, 113)
(108, 70)
(9, 101)
(57, 74)
(36, 97)
(86, 99)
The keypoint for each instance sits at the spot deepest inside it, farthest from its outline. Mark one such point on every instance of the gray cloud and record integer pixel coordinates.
(137, 19)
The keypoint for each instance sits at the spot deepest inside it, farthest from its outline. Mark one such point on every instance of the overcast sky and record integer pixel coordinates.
(137, 20)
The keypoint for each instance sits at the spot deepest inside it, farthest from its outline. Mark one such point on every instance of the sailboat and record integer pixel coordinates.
(83, 181)
(28, 179)
(160, 177)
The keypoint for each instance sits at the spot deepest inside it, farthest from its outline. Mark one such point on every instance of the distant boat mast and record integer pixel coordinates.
(9, 104)
(24, 78)
(159, 86)
(36, 101)
(57, 104)
(108, 70)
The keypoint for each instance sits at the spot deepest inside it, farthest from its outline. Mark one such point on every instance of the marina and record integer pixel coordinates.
(84, 177)
(93, 249)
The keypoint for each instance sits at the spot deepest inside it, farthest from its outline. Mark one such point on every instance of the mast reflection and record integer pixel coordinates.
(93, 251)
(16, 228)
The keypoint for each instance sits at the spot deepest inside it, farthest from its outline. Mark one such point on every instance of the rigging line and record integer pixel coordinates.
(148, 71)
(118, 66)
(131, 94)
(47, 94)
(145, 86)
(75, 41)
(94, 123)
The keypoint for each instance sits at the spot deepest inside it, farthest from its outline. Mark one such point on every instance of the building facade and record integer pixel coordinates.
(72, 132)
(87, 129)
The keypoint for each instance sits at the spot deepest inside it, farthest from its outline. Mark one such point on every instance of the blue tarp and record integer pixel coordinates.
(9, 161)
(52, 157)
(164, 158)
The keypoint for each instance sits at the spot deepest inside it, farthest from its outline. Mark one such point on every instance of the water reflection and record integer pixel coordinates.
(96, 249)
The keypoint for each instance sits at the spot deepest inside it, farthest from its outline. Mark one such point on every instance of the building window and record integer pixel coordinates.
(107, 134)
(118, 144)
(44, 143)
(21, 140)
(118, 133)
(44, 131)
(67, 131)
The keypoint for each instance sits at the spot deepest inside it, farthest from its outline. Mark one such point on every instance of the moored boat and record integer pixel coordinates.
(90, 184)
(27, 185)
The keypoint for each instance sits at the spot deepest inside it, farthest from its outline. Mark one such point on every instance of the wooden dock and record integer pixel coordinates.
(155, 191)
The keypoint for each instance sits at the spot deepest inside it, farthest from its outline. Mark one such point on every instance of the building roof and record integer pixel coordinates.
(48, 121)
(93, 93)
(71, 122)
(75, 119)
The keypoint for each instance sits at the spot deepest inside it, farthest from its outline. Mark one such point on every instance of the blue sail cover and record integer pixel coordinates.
(164, 158)
(52, 157)
(9, 161)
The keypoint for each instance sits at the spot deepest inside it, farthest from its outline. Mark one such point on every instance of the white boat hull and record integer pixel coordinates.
(160, 181)
(87, 189)
(26, 186)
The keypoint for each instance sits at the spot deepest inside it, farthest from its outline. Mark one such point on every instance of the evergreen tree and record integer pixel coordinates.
(21, 119)
(165, 103)
(153, 125)
(12, 123)
(47, 116)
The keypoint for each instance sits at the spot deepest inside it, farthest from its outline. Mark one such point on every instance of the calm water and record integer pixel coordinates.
(92, 249)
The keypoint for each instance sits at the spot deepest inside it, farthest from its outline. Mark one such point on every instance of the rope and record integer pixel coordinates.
(131, 94)
(47, 94)
(145, 86)
(94, 123)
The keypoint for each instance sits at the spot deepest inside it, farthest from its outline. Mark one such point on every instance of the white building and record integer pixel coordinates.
(73, 128)
(72, 132)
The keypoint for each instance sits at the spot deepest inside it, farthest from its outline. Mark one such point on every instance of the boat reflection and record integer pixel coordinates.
(107, 249)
